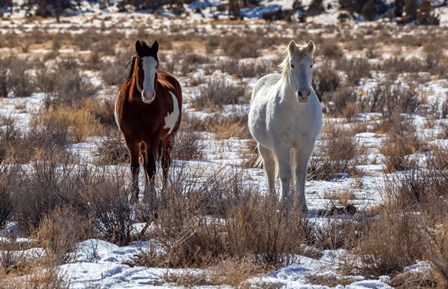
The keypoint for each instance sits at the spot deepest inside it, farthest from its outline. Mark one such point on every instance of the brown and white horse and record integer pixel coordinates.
(148, 113)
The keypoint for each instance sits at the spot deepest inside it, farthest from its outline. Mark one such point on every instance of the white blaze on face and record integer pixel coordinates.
(149, 65)
(171, 118)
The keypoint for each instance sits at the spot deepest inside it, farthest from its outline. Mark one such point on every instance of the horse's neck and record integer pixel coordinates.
(133, 90)
(286, 90)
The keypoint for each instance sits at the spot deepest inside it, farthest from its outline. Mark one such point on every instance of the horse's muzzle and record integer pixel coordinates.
(303, 94)
(148, 97)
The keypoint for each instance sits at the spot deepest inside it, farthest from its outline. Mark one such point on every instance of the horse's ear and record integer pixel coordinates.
(155, 46)
(292, 46)
(310, 47)
(139, 47)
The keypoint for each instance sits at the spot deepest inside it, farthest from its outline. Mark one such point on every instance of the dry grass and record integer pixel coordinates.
(233, 126)
(234, 273)
(77, 123)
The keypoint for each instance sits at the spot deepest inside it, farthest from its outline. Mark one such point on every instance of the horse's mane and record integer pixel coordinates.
(130, 65)
(284, 65)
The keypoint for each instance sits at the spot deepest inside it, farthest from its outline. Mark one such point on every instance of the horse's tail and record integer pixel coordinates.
(259, 164)
(160, 151)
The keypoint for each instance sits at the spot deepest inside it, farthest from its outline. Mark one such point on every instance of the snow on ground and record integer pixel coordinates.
(99, 264)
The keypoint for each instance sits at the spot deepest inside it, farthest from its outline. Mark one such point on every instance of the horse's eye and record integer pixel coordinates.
(292, 65)
(311, 65)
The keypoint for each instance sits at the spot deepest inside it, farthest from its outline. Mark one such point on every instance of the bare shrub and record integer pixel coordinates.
(216, 93)
(12, 260)
(58, 233)
(389, 99)
(248, 153)
(339, 154)
(355, 68)
(244, 69)
(402, 64)
(52, 182)
(187, 144)
(111, 149)
(439, 159)
(239, 47)
(102, 112)
(234, 273)
(9, 135)
(109, 206)
(410, 226)
(326, 80)
(343, 102)
(114, 72)
(65, 85)
(8, 173)
(15, 79)
(215, 219)
(4, 82)
(398, 145)
(330, 50)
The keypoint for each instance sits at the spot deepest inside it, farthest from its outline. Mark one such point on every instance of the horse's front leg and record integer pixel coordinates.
(135, 169)
(302, 158)
(284, 169)
(150, 174)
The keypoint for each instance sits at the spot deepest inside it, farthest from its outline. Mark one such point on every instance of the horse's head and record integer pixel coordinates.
(299, 67)
(146, 65)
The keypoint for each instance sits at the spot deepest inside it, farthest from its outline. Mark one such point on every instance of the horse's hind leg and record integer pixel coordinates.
(166, 163)
(166, 159)
(269, 167)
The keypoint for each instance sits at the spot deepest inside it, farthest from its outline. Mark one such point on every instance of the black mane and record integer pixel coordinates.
(130, 65)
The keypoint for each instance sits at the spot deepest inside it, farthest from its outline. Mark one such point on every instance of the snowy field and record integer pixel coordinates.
(384, 91)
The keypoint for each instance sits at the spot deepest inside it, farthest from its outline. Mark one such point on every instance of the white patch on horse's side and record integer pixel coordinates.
(172, 118)
(116, 115)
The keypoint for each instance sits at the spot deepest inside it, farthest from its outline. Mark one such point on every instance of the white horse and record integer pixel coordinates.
(285, 118)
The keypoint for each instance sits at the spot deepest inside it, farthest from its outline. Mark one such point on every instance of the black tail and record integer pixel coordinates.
(160, 151)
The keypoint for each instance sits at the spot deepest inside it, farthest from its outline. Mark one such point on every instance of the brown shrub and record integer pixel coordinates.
(77, 123)
(343, 102)
(339, 154)
(400, 142)
(187, 145)
(111, 149)
(228, 126)
(58, 233)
